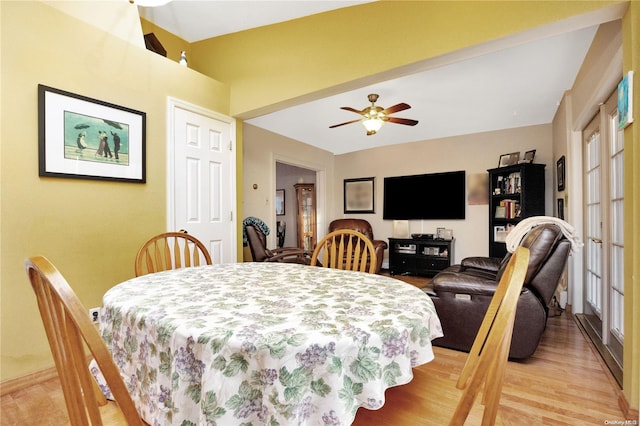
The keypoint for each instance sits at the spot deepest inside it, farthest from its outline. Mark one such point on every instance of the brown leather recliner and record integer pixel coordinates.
(364, 227)
(463, 292)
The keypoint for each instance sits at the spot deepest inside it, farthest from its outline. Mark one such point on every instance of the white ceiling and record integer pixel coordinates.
(505, 88)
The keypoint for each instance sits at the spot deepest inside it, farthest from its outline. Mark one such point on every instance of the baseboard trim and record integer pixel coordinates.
(629, 413)
(19, 383)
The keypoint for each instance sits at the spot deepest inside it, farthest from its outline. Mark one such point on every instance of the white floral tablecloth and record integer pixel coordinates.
(265, 343)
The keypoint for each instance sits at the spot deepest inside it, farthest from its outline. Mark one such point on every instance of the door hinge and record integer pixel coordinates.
(230, 145)
(231, 216)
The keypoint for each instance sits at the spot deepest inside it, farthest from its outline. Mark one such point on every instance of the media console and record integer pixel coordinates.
(413, 256)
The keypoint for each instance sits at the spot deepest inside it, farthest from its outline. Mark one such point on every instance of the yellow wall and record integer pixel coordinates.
(281, 62)
(91, 230)
(631, 61)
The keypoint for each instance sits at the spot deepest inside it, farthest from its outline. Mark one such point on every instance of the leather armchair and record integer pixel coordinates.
(364, 227)
(462, 293)
(260, 253)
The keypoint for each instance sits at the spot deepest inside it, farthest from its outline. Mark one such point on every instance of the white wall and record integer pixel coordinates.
(473, 153)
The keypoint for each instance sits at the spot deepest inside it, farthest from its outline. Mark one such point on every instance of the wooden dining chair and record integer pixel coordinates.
(346, 249)
(170, 250)
(68, 328)
(484, 369)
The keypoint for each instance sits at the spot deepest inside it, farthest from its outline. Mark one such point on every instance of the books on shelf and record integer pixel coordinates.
(510, 184)
(508, 209)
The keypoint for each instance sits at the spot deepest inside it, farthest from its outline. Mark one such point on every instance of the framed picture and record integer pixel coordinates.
(509, 159)
(560, 173)
(359, 195)
(529, 156)
(498, 234)
(279, 202)
(561, 208)
(625, 100)
(84, 138)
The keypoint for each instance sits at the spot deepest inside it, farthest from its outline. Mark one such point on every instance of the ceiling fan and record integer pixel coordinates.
(374, 116)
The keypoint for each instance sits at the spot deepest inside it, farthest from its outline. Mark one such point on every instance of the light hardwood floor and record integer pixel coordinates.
(563, 383)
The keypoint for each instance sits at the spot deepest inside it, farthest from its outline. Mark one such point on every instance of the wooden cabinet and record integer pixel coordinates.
(424, 257)
(306, 218)
(515, 192)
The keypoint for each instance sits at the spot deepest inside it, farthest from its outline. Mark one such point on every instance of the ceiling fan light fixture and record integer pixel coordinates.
(372, 125)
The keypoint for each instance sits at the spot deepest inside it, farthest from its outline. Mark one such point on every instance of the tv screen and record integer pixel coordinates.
(428, 196)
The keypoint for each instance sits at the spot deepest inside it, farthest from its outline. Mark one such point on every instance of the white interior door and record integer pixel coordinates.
(201, 176)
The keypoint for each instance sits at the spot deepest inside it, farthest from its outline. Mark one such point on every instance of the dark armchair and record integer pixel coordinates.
(260, 253)
(463, 292)
(364, 227)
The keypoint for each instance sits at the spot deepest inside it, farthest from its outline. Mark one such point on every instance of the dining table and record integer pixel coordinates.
(265, 343)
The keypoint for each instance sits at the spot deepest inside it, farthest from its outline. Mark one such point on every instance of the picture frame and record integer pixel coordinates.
(509, 159)
(625, 101)
(560, 175)
(529, 156)
(359, 195)
(561, 208)
(280, 202)
(85, 138)
(498, 232)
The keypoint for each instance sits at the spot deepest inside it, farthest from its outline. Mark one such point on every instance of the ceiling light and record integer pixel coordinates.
(372, 125)
(149, 3)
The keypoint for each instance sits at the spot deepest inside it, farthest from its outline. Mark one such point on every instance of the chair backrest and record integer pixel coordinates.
(360, 225)
(257, 243)
(549, 252)
(346, 249)
(487, 360)
(68, 325)
(171, 250)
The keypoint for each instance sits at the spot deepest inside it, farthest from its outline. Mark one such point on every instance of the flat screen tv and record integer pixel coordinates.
(428, 196)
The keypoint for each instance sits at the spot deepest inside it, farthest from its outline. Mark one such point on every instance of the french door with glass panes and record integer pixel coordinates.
(603, 151)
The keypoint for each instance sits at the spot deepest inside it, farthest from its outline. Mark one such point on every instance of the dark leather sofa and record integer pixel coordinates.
(364, 227)
(463, 292)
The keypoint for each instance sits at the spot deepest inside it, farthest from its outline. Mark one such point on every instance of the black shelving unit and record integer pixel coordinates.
(516, 192)
(425, 257)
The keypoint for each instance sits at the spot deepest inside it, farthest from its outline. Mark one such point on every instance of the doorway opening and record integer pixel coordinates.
(287, 174)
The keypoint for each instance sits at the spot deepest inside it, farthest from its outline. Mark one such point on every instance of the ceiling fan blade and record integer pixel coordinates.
(404, 121)
(352, 110)
(399, 107)
(342, 124)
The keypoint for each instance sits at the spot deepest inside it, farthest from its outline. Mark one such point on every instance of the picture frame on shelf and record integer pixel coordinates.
(359, 195)
(509, 159)
(501, 212)
(498, 233)
(625, 100)
(280, 202)
(84, 138)
(529, 156)
(560, 175)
